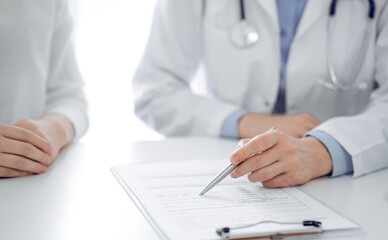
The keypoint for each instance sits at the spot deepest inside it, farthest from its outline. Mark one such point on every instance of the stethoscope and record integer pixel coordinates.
(245, 35)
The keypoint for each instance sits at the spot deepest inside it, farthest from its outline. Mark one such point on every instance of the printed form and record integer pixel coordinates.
(168, 196)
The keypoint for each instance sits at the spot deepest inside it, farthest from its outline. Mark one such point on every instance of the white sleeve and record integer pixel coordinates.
(65, 95)
(163, 98)
(364, 135)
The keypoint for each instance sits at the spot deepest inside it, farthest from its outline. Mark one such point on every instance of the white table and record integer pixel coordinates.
(78, 198)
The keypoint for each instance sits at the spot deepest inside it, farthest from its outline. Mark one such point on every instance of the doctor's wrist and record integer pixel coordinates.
(321, 163)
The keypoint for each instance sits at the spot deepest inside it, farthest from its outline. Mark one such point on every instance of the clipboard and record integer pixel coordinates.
(161, 189)
(311, 228)
(139, 205)
(274, 236)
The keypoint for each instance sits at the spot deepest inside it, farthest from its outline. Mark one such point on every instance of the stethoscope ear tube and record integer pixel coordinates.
(332, 8)
(372, 9)
(371, 14)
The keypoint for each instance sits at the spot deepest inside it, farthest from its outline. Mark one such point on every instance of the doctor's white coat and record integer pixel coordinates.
(187, 33)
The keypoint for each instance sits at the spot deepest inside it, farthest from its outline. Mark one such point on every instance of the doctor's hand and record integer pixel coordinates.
(295, 125)
(22, 152)
(55, 129)
(279, 160)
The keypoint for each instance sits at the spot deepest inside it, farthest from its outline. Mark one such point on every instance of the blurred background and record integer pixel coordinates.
(110, 37)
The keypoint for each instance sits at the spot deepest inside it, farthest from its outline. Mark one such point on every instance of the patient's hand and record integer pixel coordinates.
(55, 129)
(22, 152)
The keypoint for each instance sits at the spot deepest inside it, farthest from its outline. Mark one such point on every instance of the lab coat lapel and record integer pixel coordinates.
(270, 8)
(314, 10)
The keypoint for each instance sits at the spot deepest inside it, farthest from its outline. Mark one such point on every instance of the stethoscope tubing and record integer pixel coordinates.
(371, 13)
(334, 83)
(242, 10)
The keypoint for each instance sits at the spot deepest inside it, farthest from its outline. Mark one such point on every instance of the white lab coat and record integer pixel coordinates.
(38, 71)
(186, 33)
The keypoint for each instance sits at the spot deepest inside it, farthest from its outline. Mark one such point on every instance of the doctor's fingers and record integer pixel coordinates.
(268, 172)
(313, 123)
(307, 122)
(308, 119)
(21, 163)
(280, 181)
(24, 135)
(9, 172)
(24, 149)
(256, 162)
(258, 144)
(242, 142)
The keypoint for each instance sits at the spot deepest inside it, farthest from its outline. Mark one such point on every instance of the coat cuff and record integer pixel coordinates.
(229, 128)
(341, 159)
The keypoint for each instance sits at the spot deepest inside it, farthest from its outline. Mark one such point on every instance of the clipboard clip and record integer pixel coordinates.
(307, 223)
(224, 233)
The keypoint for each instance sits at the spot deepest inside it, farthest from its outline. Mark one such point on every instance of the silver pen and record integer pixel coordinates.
(221, 175)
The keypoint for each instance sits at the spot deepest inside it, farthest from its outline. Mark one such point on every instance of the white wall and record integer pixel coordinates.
(110, 37)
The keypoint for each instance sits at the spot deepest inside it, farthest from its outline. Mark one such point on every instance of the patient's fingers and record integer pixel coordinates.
(24, 135)
(9, 172)
(21, 163)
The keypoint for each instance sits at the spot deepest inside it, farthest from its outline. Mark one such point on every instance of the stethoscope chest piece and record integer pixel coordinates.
(244, 35)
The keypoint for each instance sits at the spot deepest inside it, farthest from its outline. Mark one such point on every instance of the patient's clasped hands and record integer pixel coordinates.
(30, 146)
(22, 152)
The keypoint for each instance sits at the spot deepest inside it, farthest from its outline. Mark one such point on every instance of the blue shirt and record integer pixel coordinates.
(290, 13)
